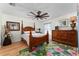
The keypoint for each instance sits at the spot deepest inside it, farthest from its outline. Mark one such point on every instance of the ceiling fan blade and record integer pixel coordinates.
(45, 18)
(44, 14)
(33, 13)
(41, 18)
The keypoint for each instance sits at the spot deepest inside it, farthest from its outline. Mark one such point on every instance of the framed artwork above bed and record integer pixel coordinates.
(13, 26)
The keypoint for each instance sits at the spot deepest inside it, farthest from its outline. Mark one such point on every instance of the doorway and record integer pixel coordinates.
(48, 27)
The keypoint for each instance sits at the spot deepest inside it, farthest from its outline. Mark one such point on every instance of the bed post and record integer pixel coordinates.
(47, 37)
(30, 40)
(22, 27)
(34, 26)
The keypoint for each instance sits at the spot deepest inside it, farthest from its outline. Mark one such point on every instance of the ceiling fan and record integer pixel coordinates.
(39, 15)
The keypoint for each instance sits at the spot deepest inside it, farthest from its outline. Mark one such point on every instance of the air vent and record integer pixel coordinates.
(12, 4)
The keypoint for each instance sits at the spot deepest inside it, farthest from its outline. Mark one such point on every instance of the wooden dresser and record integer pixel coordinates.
(68, 37)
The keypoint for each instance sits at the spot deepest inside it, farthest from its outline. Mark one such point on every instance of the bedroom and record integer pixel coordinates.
(58, 16)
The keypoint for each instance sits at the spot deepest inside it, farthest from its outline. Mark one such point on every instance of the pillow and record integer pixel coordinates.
(27, 32)
(33, 32)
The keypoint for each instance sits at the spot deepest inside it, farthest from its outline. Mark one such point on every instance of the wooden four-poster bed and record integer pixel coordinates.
(34, 40)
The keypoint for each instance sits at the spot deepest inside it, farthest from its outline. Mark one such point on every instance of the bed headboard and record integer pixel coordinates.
(28, 28)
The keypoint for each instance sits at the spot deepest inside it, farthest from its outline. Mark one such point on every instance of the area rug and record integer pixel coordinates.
(51, 49)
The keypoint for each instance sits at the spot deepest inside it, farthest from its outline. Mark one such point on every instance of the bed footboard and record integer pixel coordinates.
(35, 41)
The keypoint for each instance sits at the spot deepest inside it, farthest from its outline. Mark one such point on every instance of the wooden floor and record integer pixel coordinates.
(13, 49)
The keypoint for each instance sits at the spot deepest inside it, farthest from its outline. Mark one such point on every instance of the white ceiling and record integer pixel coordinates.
(54, 9)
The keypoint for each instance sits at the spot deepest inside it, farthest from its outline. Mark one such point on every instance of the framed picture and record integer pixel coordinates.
(64, 23)
(13, 26)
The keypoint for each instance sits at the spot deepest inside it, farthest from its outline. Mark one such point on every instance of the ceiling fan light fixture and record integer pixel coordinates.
(39, 12)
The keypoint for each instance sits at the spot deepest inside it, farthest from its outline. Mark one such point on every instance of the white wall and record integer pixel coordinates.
(0, 34)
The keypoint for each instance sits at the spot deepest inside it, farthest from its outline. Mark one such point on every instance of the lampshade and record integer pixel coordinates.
(73, 18)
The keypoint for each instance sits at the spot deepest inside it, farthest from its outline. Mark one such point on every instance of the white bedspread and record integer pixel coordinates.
(25, 36)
